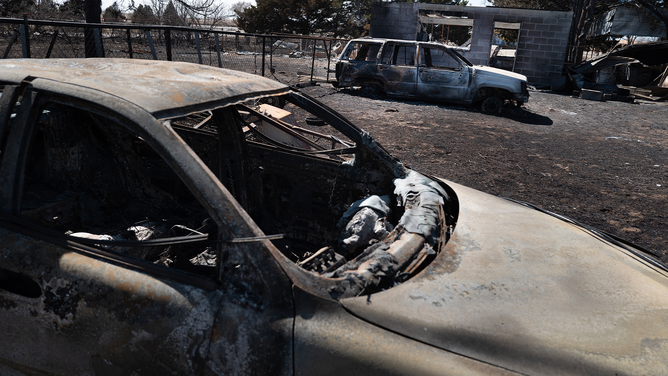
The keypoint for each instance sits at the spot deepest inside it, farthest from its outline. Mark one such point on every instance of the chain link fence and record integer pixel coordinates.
(290, 59)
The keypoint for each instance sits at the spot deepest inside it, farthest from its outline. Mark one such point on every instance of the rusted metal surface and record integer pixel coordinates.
(425, 70)
(155, 86)
(93, 317)
(329, 341)
(517, 288)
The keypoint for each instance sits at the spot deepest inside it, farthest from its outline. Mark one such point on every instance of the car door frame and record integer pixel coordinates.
(443, 83)
(211, 307)
(399, 80)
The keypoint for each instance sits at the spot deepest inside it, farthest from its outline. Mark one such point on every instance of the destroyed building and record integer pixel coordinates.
(640, 69)
(525, 41)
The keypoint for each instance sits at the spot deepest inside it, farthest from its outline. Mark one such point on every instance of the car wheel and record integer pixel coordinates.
(492, 105)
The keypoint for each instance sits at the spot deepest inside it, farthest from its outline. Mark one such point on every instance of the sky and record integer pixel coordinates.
(228, 3)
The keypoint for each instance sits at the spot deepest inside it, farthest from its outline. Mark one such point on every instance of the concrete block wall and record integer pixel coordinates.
(394, 20)
(543, 38)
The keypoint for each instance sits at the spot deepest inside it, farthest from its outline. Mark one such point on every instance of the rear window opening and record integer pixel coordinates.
(361, 51)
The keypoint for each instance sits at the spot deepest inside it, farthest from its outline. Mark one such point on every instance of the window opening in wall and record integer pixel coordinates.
(503, 51)
(453, 30)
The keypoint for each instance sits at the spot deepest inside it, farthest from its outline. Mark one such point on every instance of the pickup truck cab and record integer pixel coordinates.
(426, 70)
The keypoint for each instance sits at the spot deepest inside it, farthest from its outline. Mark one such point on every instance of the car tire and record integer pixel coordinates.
(492, 105)
(312, 120)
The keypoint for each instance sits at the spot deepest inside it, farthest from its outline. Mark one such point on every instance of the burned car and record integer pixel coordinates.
(164, 218)
(426, 70)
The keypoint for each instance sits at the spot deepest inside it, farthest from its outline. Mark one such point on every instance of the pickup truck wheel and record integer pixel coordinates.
(492, 105)
(372, 91)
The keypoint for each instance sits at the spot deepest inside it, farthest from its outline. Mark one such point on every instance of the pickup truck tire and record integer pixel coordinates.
(492, 105)
(372, 90)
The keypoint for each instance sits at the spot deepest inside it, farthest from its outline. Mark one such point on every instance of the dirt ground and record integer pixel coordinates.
(604, 164)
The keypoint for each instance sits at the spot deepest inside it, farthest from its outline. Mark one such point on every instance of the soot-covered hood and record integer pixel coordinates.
(531, 293)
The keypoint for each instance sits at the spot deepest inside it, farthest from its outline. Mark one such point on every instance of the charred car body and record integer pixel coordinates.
(426, 70)
(160, 218)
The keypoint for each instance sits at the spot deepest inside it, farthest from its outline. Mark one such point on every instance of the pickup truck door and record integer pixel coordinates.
(442, 76)
(398, 69)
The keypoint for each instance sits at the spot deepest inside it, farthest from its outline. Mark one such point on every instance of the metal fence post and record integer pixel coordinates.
(11, 43)
(220, 61)
(199, 49)
(97, 34)
(25, 38)
(53, 42)
(315, 42)
(264, 43)
(129, 43)
(329, 56)
(150, 44)
(271, 56)
(168, 44)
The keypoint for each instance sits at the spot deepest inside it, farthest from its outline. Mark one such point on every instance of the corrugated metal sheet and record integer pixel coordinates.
(626, 21)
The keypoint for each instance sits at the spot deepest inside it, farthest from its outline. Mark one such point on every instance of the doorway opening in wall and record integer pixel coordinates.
(452, 30)
(503, 50)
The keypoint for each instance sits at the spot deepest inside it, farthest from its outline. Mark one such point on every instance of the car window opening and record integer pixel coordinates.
(90, 178)
(344, 217)
(361, 51)
(364, 225)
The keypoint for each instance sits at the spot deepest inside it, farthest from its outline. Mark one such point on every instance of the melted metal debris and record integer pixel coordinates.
(422, 199)
(421, 196)
(369, 221)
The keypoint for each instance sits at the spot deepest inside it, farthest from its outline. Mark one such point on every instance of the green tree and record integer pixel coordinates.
(291, 16)
(14, 8)
(45, 9)
(171, 16)
(113, 12)
(144, 15)
(72, 8)
(658, 8)
(356, 15)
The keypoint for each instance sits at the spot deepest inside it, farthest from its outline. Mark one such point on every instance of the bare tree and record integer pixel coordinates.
(45, 9)
(201, 13)
(158, 7)
(239, 7)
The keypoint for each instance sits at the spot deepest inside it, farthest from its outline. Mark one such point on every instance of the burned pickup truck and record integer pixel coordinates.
(163, 218)
(426, 70)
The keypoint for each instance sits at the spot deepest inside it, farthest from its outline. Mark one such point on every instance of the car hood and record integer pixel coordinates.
(495, 72)
(526, 291)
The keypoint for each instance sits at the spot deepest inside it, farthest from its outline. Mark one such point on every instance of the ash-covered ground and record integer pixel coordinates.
(604, 164)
